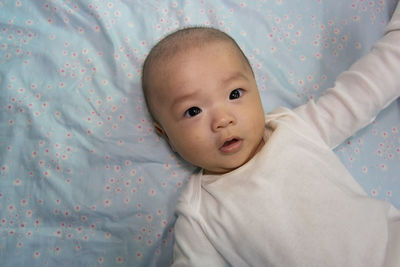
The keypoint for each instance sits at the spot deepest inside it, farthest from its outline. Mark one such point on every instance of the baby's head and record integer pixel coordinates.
(202, 94)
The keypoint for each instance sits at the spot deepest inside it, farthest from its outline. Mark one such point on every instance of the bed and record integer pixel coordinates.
(84, 178)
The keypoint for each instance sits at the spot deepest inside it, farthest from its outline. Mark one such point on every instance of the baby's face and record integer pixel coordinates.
(209, 109)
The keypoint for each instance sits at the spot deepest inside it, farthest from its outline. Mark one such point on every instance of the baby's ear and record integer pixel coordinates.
(160, 131)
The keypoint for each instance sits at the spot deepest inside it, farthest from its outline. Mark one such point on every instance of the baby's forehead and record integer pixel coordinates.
(186, 47)
(167, 64)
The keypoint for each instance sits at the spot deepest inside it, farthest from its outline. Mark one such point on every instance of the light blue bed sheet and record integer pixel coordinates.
(84, 179)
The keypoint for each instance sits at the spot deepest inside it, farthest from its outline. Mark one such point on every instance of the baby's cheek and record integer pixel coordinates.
(186, 147)
(195, 152)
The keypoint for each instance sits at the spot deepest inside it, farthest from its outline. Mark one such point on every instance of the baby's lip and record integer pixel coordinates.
(231, 145)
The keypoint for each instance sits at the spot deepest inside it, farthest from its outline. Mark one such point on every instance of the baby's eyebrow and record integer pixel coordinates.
(235, 76)
(183, 98)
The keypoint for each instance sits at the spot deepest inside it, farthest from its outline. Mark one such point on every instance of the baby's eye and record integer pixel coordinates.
(193, 111)
(235, 94)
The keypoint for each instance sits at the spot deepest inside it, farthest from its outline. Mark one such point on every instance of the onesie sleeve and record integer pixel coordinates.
(358, 95)
(192, 248)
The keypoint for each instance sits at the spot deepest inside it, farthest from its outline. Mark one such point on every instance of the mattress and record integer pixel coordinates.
(84, 178)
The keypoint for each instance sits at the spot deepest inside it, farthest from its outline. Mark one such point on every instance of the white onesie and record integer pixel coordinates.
(294, 203)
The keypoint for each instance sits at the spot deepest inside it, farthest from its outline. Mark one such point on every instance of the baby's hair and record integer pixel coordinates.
(178, 42)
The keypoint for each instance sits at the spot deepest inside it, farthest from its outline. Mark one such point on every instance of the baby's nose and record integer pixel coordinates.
(222, 120)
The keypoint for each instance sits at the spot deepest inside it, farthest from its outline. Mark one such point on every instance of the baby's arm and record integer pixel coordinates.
(370, 85)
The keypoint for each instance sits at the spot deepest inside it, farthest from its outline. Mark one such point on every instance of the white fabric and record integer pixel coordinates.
(294, 203)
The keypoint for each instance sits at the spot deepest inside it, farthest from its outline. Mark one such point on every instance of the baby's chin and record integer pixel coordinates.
(224, 169)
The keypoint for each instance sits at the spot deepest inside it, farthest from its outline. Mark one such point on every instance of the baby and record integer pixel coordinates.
(271, 192)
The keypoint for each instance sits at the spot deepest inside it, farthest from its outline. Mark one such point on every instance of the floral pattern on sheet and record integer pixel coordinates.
(84, 179)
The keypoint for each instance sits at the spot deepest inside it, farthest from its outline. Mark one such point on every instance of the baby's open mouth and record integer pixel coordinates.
(231, 145)
(227, 143)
